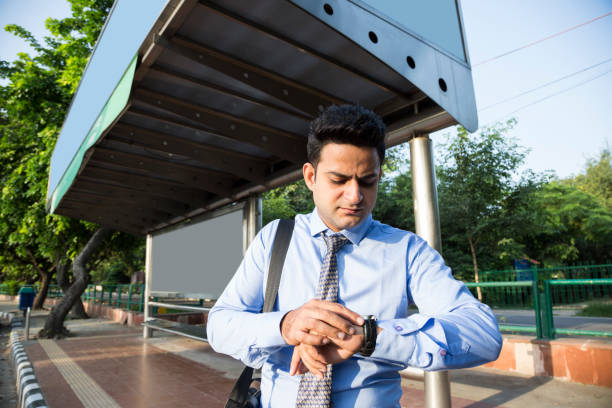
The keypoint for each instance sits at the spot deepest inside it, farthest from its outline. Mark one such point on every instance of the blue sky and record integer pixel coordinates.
(563, 123)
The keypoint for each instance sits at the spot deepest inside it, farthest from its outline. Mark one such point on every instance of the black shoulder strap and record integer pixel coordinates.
(240, 392)
(275, 270)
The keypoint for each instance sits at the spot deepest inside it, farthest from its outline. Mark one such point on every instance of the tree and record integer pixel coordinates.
(597, 179)
(475, 180)
(32, 107)
(575, 225)
(54, 325)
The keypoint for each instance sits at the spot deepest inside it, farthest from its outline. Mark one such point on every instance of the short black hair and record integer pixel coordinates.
(346, 124)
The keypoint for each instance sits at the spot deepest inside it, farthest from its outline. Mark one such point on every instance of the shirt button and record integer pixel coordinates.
(398, 328)
(442, 353)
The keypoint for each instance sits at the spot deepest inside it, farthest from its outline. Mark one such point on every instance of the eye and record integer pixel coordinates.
(367, 183)
(337, 181)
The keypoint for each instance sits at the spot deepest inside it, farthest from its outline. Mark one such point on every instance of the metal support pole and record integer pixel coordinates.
(427, 226)
(253, 219)
(27, 324)
(147, 332)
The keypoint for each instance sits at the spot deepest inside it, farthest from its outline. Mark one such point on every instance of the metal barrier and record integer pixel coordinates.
(531, 286)
(542, 302)
(120, 295)
(587, 271)
(549, 327)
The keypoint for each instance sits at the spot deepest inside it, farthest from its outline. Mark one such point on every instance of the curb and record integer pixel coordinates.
(29, 393)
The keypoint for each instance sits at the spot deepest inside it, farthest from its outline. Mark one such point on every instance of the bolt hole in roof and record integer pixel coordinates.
(373, 37)
(410, 62)
(442, 84)
(328, 9)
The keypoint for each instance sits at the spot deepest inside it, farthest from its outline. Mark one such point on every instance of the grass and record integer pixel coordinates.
(597, 309)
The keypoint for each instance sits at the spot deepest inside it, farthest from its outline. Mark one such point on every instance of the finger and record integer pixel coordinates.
(315, 354)
(313, 365)
(340, 310)
(332, 319)
(295, 362)
(321, 328)
(311, 339)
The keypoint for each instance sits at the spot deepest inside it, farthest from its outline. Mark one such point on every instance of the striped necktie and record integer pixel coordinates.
(313, 392)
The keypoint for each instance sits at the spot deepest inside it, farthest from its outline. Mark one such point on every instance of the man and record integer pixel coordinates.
(341, 265)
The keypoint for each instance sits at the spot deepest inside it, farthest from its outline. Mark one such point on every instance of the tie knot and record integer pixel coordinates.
(335, 242)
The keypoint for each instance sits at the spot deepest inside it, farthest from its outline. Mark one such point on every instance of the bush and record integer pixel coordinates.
(13, 286)
(597, 309)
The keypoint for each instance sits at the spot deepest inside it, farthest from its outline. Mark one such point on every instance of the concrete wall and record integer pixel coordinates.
(587, 361)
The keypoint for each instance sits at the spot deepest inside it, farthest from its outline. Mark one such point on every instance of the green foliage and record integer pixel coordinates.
(597, 309)
(12, 286)
(478, 195)
(597, 179)
(287, 201)
(33, 105)
(574, 225)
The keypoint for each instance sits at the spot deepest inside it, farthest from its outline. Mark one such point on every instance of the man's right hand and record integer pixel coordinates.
(328, 320)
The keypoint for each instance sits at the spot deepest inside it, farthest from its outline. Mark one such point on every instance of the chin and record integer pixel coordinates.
(349, 222)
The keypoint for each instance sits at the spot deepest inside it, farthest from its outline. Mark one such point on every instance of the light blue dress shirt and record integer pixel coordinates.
(380, 272)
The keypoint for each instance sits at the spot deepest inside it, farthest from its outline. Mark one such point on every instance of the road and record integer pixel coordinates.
(562, 319)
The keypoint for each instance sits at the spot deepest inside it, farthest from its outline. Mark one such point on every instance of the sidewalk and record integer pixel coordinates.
(110, 365)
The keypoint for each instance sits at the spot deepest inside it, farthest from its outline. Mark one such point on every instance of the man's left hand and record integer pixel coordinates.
(315, 358)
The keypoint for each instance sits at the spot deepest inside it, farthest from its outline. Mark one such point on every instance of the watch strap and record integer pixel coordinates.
(370, 331)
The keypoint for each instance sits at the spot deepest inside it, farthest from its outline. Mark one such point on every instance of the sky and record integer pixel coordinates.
(557, 84)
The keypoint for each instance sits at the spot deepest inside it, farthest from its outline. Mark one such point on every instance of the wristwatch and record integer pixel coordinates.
(370, 329)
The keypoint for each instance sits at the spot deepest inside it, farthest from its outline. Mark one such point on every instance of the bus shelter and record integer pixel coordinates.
(188, 110)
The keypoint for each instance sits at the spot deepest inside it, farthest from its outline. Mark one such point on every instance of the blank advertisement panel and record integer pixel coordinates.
(199, 259)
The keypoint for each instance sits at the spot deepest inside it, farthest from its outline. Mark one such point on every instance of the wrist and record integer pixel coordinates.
(281, 326)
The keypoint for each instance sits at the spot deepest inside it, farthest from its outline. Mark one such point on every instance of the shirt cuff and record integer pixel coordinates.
(393, 347)
(268, 330)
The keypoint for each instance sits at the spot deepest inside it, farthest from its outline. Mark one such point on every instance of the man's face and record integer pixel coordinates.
(344, 184)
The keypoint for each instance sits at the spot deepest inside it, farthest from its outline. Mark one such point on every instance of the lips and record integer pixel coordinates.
(351, 211)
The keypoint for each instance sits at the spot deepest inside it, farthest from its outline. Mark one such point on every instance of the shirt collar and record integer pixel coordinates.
(355, 234)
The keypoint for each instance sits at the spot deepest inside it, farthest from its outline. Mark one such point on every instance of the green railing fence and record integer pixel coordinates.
(526, 291)
(542, 296)
(518, 297)
(124, 296)
(553, 287)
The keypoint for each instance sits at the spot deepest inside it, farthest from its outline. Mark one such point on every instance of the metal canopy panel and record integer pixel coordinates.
(222, 96)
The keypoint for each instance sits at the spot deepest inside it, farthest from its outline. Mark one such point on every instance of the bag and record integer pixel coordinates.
(246, 393)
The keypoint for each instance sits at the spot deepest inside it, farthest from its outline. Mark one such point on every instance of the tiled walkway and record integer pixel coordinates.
(130, 372)
(119, 369)
(172, 371)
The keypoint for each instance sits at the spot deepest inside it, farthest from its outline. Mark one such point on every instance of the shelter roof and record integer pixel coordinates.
(212, 101)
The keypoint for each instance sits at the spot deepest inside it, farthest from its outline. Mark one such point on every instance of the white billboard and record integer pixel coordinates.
(197, 260)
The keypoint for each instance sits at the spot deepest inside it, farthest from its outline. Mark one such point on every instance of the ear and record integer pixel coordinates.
(308, 171)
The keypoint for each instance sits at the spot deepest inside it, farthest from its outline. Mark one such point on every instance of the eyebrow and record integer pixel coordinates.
(344, 176)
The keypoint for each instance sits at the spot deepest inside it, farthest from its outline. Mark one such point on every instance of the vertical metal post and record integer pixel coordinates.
(129, 299)
(427, 226)
(27, 324)
(147, 332)
(536, 304)
(549, 323)
(253, 219)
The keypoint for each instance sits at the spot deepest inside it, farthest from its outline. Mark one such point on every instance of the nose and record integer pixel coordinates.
(352, 192)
